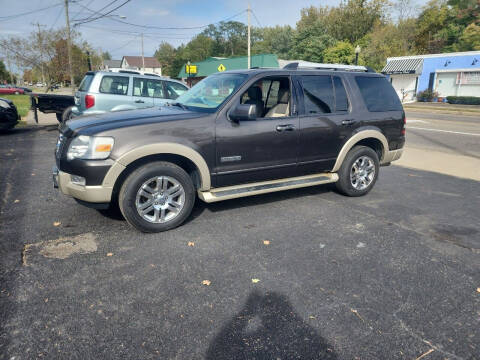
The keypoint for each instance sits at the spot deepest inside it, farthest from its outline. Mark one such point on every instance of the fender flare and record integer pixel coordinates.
(156, 149)
(364, 134)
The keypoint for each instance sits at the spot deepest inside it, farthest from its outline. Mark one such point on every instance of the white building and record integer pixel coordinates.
(449, 74)
(136, 63)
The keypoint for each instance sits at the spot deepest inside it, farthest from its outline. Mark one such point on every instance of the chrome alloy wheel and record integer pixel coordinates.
(160, 199)
(362, 173)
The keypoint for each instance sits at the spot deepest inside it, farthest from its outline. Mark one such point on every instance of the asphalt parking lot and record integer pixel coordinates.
(303, 274)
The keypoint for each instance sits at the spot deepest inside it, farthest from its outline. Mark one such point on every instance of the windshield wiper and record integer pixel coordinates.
(180, 105)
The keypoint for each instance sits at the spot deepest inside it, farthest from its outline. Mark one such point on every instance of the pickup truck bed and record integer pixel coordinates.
(50, 103)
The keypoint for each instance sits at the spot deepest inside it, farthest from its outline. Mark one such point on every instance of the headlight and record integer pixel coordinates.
(90, 147)
(4, 104)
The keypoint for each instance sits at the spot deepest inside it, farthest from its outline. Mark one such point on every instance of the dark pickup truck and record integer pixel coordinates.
(234, 134)
(51, 103)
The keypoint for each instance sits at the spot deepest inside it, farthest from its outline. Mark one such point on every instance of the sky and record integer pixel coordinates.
(120, 39)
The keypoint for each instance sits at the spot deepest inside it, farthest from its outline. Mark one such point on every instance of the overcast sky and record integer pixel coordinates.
(122, 39)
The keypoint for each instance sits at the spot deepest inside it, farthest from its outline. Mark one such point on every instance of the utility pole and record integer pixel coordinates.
(248, 41)
(143, 58)
(69, 48)
(40, 44)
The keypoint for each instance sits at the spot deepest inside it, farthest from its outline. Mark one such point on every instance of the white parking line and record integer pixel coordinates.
(444, 131)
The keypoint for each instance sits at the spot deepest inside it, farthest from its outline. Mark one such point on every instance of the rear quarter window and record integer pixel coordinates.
(85, 84)
(378, 94)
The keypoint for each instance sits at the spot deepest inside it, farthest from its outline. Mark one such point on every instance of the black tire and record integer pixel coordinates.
(344, 184)
(131, 185)
(67, 114)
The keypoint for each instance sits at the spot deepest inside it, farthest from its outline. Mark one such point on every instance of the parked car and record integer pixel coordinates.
(8, 114)
(8, 90)
(61, 105)
(25, 89)
(234, 134)
(103, 91)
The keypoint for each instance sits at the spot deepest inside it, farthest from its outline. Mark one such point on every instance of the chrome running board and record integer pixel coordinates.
(237, 191)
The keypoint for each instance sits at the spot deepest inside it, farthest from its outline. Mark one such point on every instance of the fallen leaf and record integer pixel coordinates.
(478, 289)
(206, 282)
(16, 201)
(33, 174)
(191, 243)
(266, 242)
(255, 281)
(56, 223)
(312, 317)
(152, 265)
(109, 254)
(46, 300)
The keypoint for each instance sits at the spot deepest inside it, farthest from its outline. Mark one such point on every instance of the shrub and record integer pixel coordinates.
(427, 95)
(465, 100)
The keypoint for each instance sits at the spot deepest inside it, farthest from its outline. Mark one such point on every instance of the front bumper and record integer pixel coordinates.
(89, 194)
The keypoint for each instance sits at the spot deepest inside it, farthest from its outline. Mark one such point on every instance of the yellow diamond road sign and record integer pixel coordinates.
(221, 67)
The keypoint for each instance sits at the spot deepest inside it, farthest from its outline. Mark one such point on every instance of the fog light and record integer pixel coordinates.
(77, 180)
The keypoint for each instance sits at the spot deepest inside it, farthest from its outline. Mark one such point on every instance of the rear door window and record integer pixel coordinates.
(378, 94)
(318, 94)
(117, 85)
(147, 88)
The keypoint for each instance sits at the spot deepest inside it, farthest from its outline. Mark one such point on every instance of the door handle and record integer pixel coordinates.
(348, 122)
(287, 127)
(139, 101)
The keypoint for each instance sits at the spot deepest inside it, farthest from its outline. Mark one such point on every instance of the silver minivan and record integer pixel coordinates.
(104, 91)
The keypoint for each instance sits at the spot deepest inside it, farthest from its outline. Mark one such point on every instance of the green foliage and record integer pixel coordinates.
(274, 40)
(5, 76)
(341, 53)
(465, 100)
(427, 95)
(106, 56)
(22, 102)
(310, 42)
(470, 39)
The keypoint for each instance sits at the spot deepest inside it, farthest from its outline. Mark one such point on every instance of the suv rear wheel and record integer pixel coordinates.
(359, 171)
(157, 197)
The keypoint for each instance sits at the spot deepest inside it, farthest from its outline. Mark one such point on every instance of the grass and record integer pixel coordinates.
(22, 102)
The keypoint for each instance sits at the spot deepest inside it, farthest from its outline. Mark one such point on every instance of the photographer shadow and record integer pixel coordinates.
(268, 328)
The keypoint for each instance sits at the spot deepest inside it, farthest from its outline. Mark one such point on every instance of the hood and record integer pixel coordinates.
(91, 124)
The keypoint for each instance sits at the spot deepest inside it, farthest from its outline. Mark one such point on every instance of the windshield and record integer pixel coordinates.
(212, 91)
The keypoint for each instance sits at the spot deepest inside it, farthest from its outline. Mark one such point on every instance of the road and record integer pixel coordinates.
(448, 144)
(302, 274)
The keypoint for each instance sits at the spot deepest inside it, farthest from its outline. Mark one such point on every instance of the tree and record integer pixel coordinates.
(470, 39)
(5, 76)
(341, 53)
(432, 19)
(166, 54)
(273, 40)
(106, 56)
(311, 40)
(387, 41)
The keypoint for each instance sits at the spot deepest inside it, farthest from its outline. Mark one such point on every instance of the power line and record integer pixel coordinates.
(127, 32)
(102, 15)
(10, 17)
(169, 28)
(95, 12)
(255, 16)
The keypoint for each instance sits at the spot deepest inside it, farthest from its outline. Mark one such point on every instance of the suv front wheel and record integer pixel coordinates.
(157, 197)
(359, 171)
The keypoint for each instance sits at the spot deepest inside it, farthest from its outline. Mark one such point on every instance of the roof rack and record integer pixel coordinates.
(306, 65)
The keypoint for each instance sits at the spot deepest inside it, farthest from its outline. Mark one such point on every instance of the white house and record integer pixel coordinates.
(136, 63)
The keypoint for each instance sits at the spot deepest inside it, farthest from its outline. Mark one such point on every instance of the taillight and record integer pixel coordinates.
(89, 101)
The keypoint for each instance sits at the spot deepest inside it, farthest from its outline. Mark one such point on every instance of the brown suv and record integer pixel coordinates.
(234, 134)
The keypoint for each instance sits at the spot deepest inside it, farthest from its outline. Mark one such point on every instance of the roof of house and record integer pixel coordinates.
(136, 61)
(426, 56)
(212, 65)
(112, 63)
(404, 66)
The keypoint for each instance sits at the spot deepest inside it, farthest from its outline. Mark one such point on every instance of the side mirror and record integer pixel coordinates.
(243, 112)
